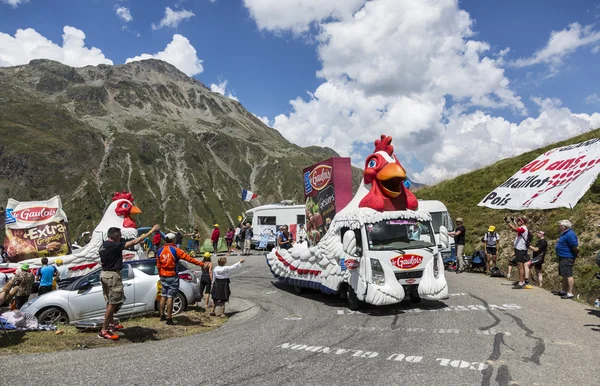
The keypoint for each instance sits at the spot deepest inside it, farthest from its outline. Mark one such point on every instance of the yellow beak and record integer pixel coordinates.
(135, 210)
(391, 178)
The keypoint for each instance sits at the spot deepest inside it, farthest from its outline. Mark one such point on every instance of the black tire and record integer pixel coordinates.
(353, 302)
(179, 304)
(298, 290)
(53, 315)
(414, 297)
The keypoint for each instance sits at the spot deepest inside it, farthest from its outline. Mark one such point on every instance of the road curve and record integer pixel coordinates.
(485, 333)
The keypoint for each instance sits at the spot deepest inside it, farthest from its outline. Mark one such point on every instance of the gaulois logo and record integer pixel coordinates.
(320, 176)
(407, 261)
(351, 264)
(36, 213)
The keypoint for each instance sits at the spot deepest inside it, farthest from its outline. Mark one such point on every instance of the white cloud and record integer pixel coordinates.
(412, 69)
(173, 18)
(14, 3)
(123, 13)
(27, 44)
(179, 53)
(592, 99)
(561, 44)
(298, 15)
(221, 88)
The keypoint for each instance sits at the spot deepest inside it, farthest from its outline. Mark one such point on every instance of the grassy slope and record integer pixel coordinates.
(462, 194)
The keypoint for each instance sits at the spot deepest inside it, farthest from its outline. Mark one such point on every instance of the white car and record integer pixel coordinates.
(83, 299)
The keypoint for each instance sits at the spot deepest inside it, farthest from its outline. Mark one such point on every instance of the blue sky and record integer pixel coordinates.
(507, 89)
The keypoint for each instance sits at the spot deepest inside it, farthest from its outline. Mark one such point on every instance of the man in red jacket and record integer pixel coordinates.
(156, 241)
(167, 262)
(214, 238)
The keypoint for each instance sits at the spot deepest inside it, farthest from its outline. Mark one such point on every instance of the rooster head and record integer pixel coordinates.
(124, 208)
(386, 176)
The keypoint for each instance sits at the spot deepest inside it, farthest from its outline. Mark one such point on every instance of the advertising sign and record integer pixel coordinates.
(327, 190)
(557, 178)
(36, 229)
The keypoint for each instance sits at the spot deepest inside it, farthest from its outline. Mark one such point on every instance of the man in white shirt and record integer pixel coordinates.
(520, 248)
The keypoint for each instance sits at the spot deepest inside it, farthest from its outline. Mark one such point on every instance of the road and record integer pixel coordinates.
(485, 333)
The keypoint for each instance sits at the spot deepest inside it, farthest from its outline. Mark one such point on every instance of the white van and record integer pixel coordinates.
(266, 219)
(440, 217)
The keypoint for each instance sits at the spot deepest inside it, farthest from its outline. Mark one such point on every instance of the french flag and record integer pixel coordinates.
(248, 195)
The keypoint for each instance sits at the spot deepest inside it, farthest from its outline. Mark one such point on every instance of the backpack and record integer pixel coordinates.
(529, 238)
(169, 263)
(496, 272)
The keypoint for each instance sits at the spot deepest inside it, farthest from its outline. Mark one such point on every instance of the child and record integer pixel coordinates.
(220, 289)
(206, 278)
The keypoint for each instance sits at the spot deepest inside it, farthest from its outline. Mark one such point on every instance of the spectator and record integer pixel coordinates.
(156, 241)
(178, 237)
(301, 233)
(229, 240)
(214, 238)
(490, 240)
(111, 259)
(248, 234)
(3, 255)
(520, 248)
(283, 238)
(539, 253)
(459, 240)
(196, 239)
(567, 250)
(221, 291)
(23, 280)
(63, 271)
(46, 275)
(168, 271)
(206, 278)
(239, 239)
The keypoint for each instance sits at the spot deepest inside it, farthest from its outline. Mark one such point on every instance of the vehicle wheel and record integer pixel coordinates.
(179, 304)
(298, 290)
(53, 315)
(415, 298)
(353, 303)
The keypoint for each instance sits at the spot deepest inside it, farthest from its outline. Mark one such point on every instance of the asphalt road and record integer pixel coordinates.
(484, 333)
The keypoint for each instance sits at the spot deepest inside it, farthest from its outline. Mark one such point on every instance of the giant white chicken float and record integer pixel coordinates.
(378, 249)
(118, 214)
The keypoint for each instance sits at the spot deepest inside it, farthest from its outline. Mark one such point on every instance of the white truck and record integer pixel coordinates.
(266, 219)
(440, 217)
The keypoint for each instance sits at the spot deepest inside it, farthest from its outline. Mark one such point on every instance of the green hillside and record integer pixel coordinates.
(462, 194)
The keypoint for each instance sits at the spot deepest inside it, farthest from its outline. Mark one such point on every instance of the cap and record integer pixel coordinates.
(491, 228)
(25, 267)
(216, 225)
(207, 254)
(524, 219)
(459, 219)
(58, 262)
(170, 236)
(541, 233)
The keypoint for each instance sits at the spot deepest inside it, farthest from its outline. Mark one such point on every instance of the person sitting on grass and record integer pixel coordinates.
(220, 289)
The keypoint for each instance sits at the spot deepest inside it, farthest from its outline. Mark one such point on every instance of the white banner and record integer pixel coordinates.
(557, 178)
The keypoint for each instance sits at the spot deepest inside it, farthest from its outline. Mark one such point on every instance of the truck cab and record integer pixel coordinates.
(440, 217)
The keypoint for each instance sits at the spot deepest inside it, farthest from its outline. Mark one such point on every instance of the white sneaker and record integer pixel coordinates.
(508, 276)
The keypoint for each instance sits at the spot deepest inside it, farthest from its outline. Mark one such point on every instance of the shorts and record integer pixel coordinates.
(520, 256)
(205, 284)
(170, 286)
(247, 243)
(565, 266)
(112, 287)
(491, 250)
(229, 242)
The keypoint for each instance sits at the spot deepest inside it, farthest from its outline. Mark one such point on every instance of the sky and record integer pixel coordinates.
(458, 84)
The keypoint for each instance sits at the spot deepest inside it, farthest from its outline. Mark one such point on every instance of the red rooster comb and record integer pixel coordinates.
(384, 144)
(122, 196)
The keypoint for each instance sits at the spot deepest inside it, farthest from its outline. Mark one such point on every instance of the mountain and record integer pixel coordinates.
(462, 194)
(183, 151)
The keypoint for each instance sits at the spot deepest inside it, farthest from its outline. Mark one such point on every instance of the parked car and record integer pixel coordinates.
(83, 298)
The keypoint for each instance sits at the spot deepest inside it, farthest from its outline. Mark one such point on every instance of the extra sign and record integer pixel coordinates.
(557, 178)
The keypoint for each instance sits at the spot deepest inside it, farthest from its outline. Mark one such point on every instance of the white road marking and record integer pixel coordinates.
(490, 332)
(472, 307)
(293, 317)
(270, 292)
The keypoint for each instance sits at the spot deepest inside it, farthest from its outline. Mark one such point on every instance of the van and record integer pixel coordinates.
(440, 217)
(267, 219)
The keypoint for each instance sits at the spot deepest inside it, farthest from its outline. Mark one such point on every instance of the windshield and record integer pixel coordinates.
(441, 218)
(399, 234)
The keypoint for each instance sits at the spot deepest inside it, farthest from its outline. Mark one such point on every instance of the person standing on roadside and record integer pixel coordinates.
(206, 278)
(214, 238)
(3, 255)
(111, 259)
(167, 263)
(46, 275)
(238, 235)
(23, 280)
(229, 240)
(567, 250)
(178, 236)
(520, 248)
(220, 291)
(490, 240)
(459, 240)
(539, 253)
(248, 234)
(156, 241)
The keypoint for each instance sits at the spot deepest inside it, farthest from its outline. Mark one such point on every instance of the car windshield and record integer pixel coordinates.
(399, 235)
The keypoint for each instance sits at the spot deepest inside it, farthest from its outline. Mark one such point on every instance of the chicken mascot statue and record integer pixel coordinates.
(378, 249)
